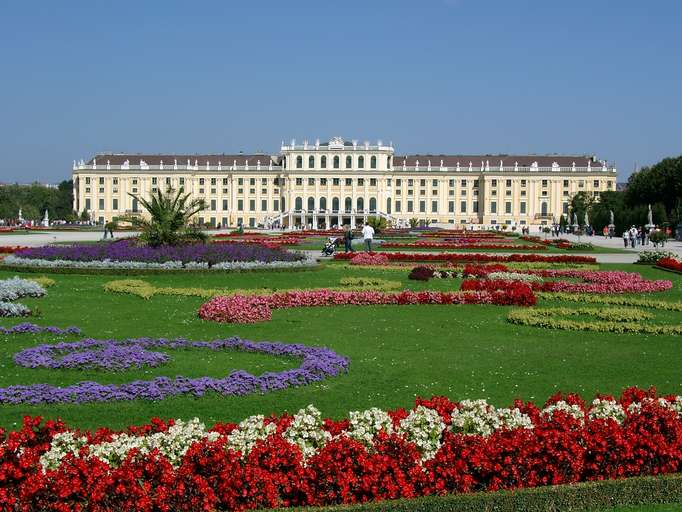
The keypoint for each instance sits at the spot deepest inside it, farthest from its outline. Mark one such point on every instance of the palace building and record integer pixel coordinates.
(326, 184)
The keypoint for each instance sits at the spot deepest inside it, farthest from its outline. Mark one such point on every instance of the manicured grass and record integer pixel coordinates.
(396, 352)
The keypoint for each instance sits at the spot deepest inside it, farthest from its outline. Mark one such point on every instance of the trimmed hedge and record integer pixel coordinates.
(601, 495)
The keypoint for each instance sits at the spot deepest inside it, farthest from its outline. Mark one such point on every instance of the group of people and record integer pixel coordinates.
(637, 236)
(367, 237)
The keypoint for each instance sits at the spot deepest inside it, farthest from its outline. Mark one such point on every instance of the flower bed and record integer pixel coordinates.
(252, 309)
(475, 257)
(29, 328)
(125, 252)
(458, 245)
(652, 257)
(16, 288)
(439, 447)
(618, 320)
(670, 264)
(613, 299)
(11, 249)
(318, 363)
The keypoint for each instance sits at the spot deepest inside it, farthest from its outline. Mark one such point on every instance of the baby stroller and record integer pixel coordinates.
(330, 246)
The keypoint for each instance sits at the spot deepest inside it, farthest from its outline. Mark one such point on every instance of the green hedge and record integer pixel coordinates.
(143, 271)
(583, 496)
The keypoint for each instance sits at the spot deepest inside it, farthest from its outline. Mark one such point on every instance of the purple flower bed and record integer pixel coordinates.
(318, 363)
(29, 328)
(126, 250)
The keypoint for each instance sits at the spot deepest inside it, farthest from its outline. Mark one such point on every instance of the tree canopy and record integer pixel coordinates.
(35, 199)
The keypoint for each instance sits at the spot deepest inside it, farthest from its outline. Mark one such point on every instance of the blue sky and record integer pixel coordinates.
(445, 76)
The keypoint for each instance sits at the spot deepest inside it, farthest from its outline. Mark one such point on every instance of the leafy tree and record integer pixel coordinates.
(580, 203)
(660, 183)
(169, 222)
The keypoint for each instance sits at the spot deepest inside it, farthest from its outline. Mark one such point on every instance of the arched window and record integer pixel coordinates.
(349, 162)
(373, 204)
(388, 205)
(299, 162)
(311, 162)
(323, 203)
(323, 162)
(388, 162)
(299, 203)
(361, 204)
(335, 204)
(311, 203)
(348, 206)
(336, 162)
(361, 162)
(544, 208)
(373, 162)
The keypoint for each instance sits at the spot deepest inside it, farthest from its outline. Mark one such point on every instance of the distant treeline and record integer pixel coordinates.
(35, 199)
(659, 186)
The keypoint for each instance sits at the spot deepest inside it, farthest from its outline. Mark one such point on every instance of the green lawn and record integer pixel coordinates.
(396, 352)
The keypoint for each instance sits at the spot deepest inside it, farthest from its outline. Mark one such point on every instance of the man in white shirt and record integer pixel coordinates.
(367, 236)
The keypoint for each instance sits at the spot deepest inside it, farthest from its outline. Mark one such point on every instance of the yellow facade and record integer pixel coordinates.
(339, 182)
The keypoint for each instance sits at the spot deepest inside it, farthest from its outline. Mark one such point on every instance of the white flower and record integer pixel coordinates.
(306, 431)
(248, 432)
(515, 276)
(365, 425)
(606, 409)
(424, 428)
(570, 410)
(478, 417)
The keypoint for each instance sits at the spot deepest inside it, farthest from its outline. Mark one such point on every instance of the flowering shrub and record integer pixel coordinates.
(183, 466)
(317, 364)
(478, 417)
(474, 257)
(251, 309)
(515, 276)
(670, 264)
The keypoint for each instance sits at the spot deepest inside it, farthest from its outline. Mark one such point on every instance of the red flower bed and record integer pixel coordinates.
(566, 442)
(257, 308)
(476, 257)
(9, 249)
(670, 263)
(458, 245)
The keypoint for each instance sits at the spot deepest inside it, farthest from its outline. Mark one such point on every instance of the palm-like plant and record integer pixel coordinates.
(169, 221)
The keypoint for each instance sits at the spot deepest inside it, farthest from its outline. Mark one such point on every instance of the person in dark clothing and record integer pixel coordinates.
(348, 238)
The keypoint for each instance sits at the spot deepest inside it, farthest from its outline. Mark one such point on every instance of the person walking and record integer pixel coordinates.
(367, 236)
(347, 238)
(626, 233)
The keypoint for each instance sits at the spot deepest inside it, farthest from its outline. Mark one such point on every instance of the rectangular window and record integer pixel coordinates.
(336, 181)
(263, 181)
(451, 207)
(252, 182)
(581, 184)
(544, 183)
(388, 182)
(299, 181)
(508, 192)
(275, 204)
(397, 206)
(475, 183)
(565, 183)
(264, 191)
(596, 183)
(87, 181)
(101, 181)
(434, 192)
(213, 205)
(398, 182)
(422, 183)
(311, 182)
(264, 205)
(240, 205)
(522, 208)
(451, 193)
(239, 191)
(213, 191)
(101, 204)
(493, 183)
(349, 182)
(252, 205)
(214, 181)
(493, 207)
(410, 183)
(507, 207)
(224, 204)
(410, 207)
(225, 181)
(240, 181)
(422, 206)
(252, 191)
(565, 207)
(154, 181)
(523, 183)
(451, 183)
(114, 204)
(434, 206)
(372, 182)
(87, 203)
(463, 207)
(474, 207)
(434, 183)
(509, 183)
(323, 182)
